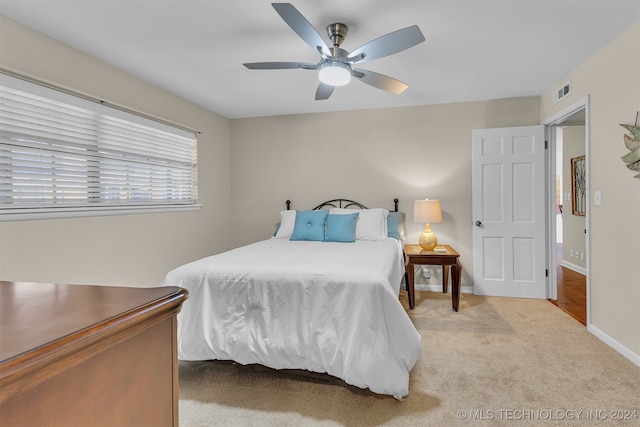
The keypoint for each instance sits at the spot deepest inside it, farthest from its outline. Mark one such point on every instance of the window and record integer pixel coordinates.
(67, 156)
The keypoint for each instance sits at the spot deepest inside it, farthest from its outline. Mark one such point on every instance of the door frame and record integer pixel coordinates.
(550, 124)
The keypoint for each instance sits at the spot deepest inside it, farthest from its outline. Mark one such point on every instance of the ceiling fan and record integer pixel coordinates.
(336, 65)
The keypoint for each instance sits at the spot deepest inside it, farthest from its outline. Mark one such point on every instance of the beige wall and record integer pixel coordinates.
(134, 250)
(573, 226)
(370, 156)
(611, 80)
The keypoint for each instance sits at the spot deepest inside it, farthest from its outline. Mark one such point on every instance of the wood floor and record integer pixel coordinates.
(572, 293)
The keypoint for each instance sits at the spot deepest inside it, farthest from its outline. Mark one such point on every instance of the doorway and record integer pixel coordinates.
(568, 210)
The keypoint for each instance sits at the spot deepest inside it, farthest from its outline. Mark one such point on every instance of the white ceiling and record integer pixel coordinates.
(474, 50)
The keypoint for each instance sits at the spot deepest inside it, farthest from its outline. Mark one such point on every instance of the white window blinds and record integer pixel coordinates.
(59, 151)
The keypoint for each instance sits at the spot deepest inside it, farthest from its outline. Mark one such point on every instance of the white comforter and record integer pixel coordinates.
(319, 306)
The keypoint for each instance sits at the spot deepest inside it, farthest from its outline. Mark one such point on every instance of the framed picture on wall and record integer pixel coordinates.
(578, 186)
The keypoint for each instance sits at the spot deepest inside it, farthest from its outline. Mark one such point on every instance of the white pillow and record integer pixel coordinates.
(287, 224)
(371, 225)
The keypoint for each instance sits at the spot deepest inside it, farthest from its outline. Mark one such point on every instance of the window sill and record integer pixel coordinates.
(79, 212)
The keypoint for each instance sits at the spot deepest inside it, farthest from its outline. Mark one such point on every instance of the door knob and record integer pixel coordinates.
(478, 224)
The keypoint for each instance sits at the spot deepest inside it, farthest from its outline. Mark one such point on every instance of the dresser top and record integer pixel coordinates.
(35, 315)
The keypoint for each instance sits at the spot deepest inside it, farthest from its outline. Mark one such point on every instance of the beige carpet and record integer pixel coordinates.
(498, 361)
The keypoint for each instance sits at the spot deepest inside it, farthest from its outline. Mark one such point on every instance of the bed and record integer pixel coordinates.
(297, 301)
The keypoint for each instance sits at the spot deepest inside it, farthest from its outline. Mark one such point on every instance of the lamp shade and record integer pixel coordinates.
(427, 211)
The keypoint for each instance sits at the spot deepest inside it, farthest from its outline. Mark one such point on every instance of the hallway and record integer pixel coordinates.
(572, 291)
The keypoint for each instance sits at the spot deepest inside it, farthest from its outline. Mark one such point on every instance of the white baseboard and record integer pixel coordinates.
(574, 267)
(633, 357)
(438, 288)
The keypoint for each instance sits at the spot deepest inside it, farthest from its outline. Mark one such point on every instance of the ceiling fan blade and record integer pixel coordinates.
(277, 65)
(388, 44)
(324, 91)
(379, 81)
(302, 27)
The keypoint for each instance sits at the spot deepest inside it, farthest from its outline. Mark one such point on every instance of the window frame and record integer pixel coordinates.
(97, 204)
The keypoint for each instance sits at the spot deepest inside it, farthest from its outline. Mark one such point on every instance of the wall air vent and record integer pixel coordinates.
(561, 93)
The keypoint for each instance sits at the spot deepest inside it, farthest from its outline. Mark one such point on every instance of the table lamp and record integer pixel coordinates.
(427, 212)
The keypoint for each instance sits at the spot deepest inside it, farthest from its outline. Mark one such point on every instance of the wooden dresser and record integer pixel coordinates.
(76, 355)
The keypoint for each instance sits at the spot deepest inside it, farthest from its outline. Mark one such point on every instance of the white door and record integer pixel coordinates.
(509, 247)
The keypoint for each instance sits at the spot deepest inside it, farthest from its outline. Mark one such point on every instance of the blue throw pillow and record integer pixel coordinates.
(341, 228)
(395, 225)
(309, 225)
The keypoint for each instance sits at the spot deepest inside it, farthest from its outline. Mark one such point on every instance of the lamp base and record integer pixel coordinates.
(428, 240)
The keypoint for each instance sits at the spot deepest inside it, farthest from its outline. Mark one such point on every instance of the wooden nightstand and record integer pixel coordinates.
(449, 258)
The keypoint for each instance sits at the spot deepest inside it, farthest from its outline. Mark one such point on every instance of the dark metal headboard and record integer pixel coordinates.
(340, 203)
(343, 203)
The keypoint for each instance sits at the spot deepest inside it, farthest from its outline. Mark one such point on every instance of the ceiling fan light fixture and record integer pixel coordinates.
(335, 66)
(335, 73)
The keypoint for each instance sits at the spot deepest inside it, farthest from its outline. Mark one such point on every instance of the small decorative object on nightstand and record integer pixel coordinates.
(427, 212)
